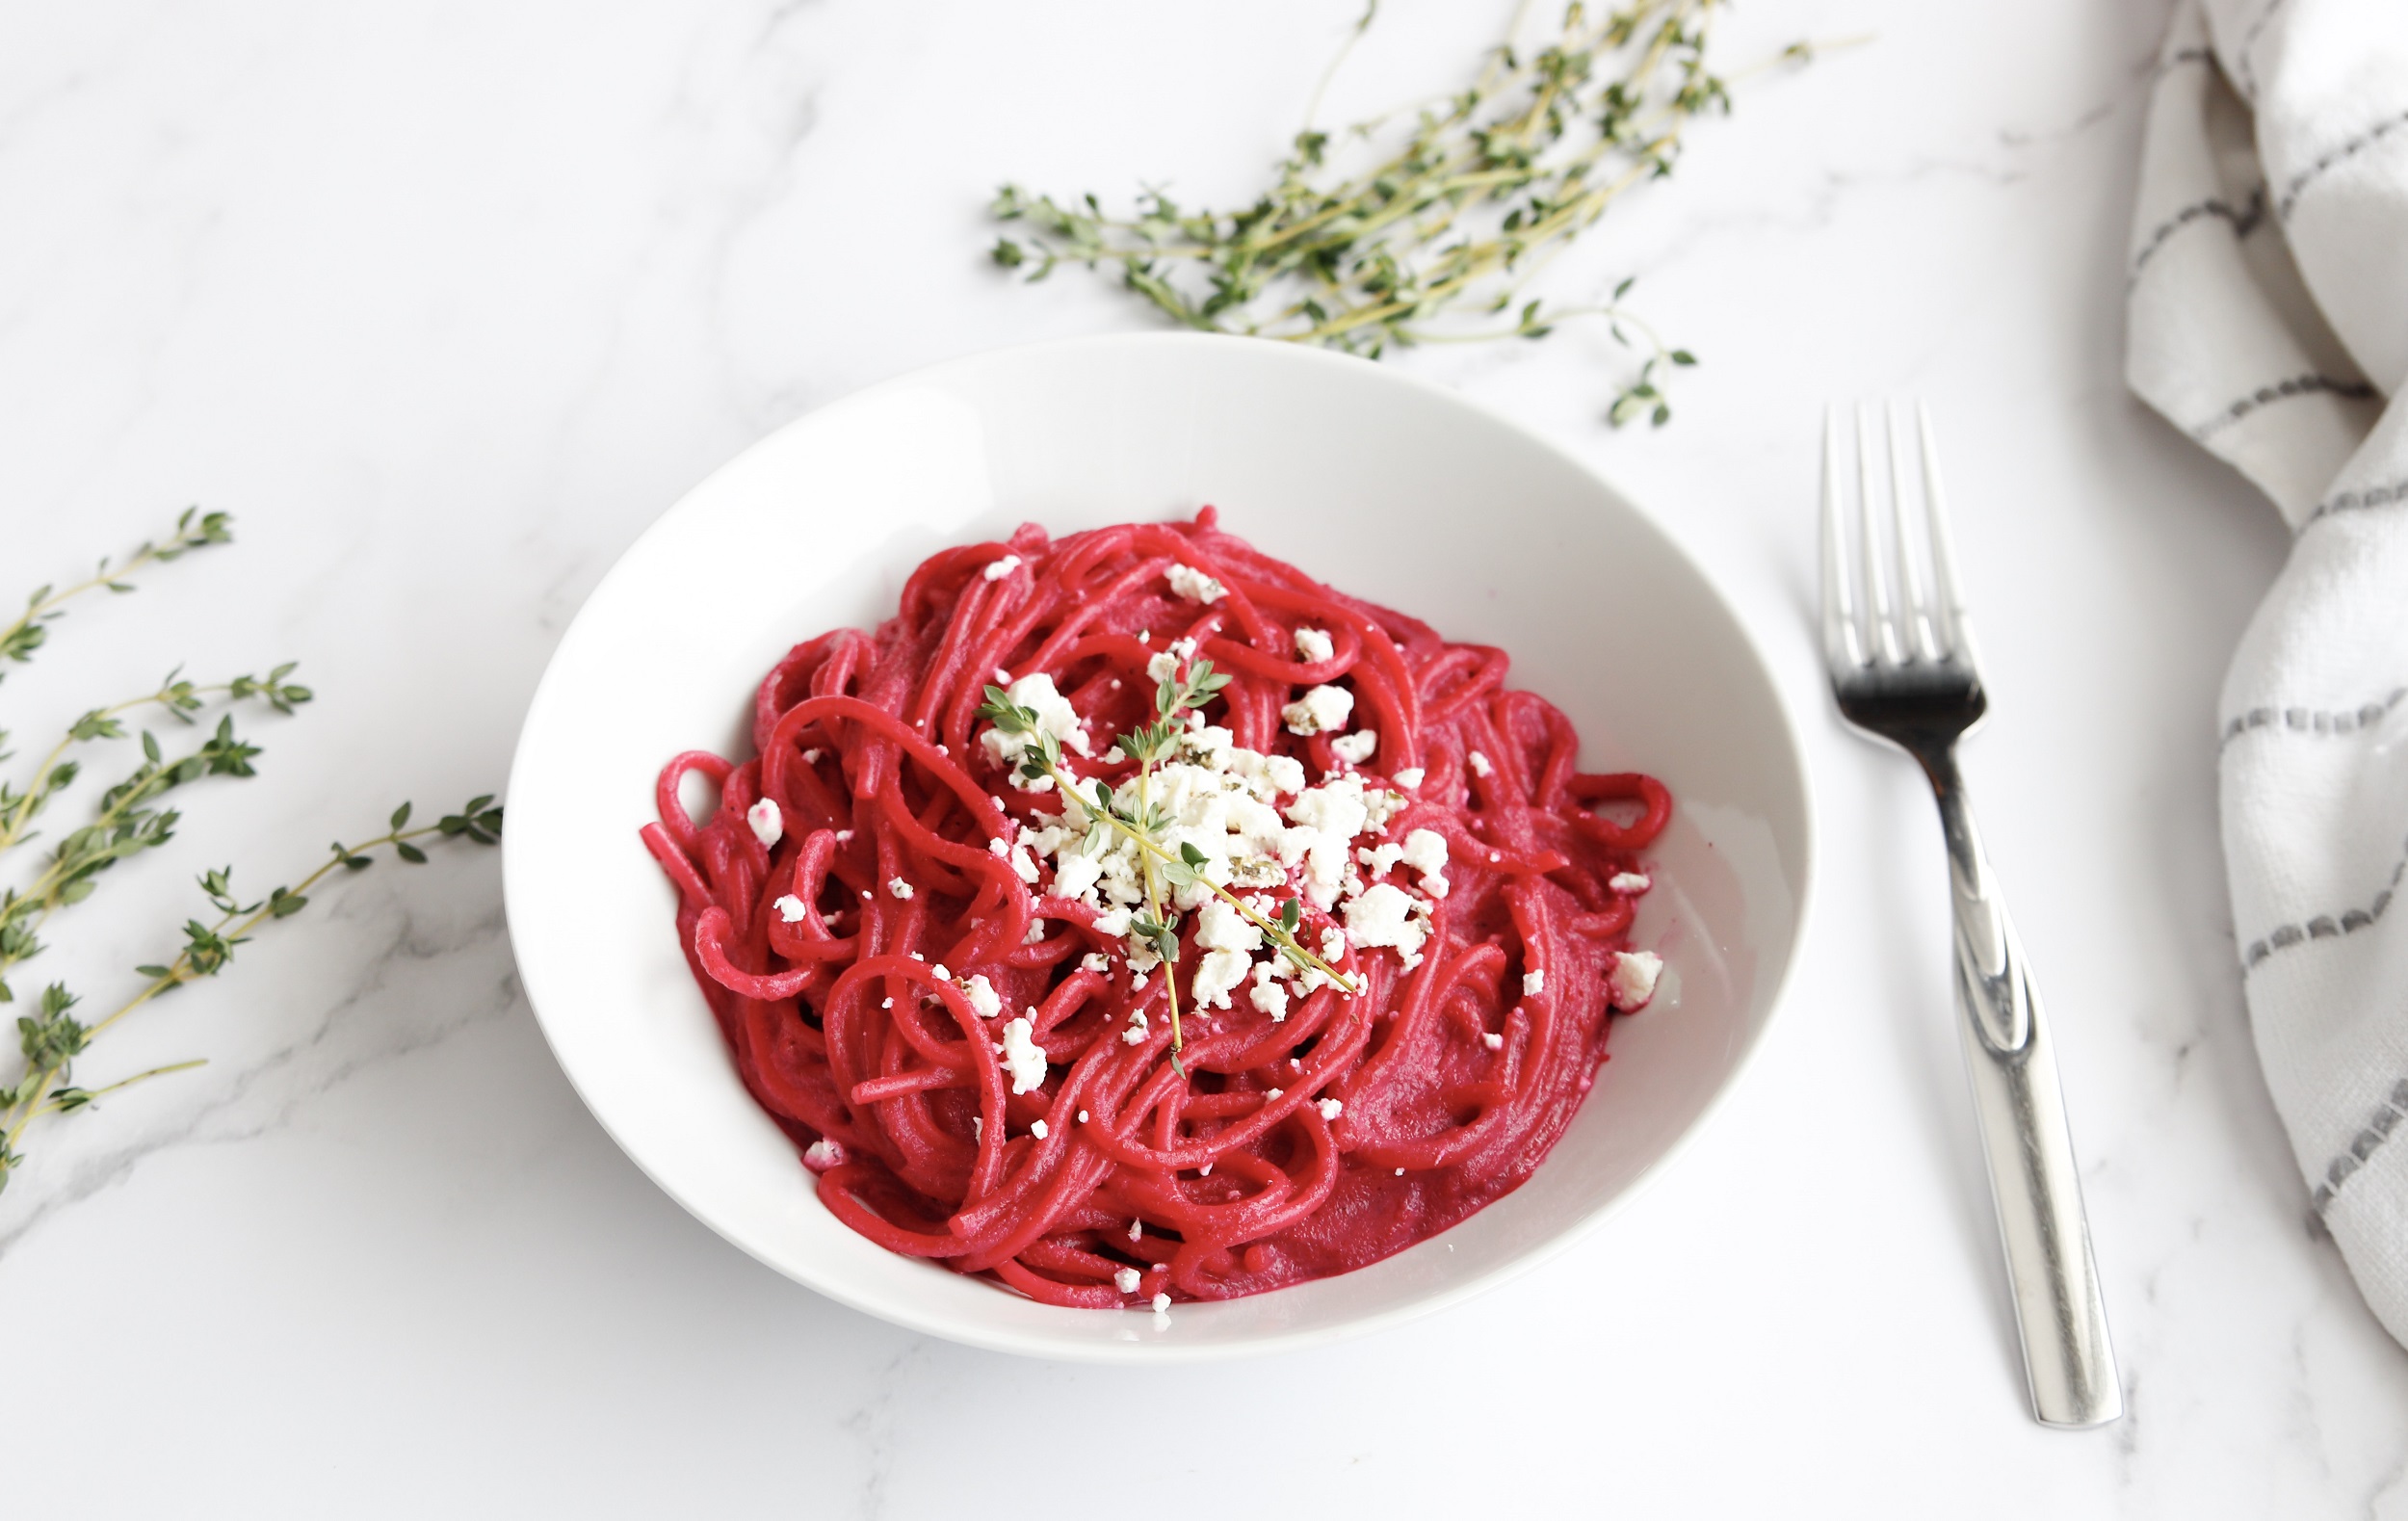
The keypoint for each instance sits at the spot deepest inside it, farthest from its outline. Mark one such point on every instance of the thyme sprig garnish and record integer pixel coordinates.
(51, 1041)
(1175, 693)
(1365, 248)
(194, 529)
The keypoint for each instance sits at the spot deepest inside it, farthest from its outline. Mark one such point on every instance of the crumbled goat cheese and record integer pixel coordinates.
(768, 825)
(1194, 585)
(1534, 982)
(1222, 927)
(811, 758)
(1492, 1040)
(1023, 864)
(1024, 1057)
(823, 1154)
(1003, 677)
(1268, 996)
(789, 909)
(899, 888)
(1036, 932)
(1330, 1108)
(998, 569)
(844, 836)
(997, 848)
(1055, 715)
(1215, 976)
(939, 971)
(1272, 1095)
(1409, 779)
(1204, 1171)
(1384, 916)
(978, 1128)
(1356, 747)
(984, 1001)
(1162, 1305)
(1628, 883)
(1426, 851)
(1633, 980)
(1479, 764)
(1083, 1116)
(1320, 708)
(1036, 1128)
(1315, 645)
(886, 1003)
(1115, 756)
(1095, 961)
(1137, 1230)
(1126, 1280)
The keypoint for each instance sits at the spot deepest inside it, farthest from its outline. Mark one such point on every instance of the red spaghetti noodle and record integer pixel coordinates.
(860, 913)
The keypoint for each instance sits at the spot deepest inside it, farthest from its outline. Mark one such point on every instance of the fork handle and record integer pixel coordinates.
(2068, 1360)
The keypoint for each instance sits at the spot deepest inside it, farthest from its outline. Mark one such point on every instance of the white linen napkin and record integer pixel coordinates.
(2268, 318)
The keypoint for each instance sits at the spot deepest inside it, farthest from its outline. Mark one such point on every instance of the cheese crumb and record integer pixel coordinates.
(1409, 779)
(823, 1154)
(1137, 1230)
(769, 827)
(1162, 1305)
(1315, 645)
(1268, 996)
(1492, 1040)
(899, 888)
(1036, 1128)
(1126, 1280)
(1330, 1108)
(1320, 708)
(1384, 916)
(1194, 585)
(984, 1001)
(1055, 715)
(1095, 961)
(844, 836)
(1003, 568)
(789, 909)
(1633, 980)
(811, 758)
(1426, 851)
(1479, 764)
(1356, 747)
(1272, 1095)
(1024, 1057)
(1628, 883)
(1533, 984)
(1083, 1116)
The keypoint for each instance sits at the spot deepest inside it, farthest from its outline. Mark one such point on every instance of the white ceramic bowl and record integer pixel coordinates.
(1386, 487)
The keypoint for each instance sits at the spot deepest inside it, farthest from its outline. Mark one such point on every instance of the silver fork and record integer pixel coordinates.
(1902, 667)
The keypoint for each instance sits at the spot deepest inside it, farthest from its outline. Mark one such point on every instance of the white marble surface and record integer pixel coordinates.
(447, 301)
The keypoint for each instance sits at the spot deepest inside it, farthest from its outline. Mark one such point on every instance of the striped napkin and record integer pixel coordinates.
(2268, 318)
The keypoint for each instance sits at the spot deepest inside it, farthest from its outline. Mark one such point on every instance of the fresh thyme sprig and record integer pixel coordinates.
(52, 1040)
(1175, 695)
(194, 529)
(1400, 247)
(179, 699)
(126, 824)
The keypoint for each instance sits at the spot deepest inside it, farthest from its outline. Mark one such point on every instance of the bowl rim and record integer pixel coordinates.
(1157, 1352)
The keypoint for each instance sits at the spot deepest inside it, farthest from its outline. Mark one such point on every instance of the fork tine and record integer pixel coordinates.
(1916, 627)
(1880, 635)
(1840, 647)
(1950, 623)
